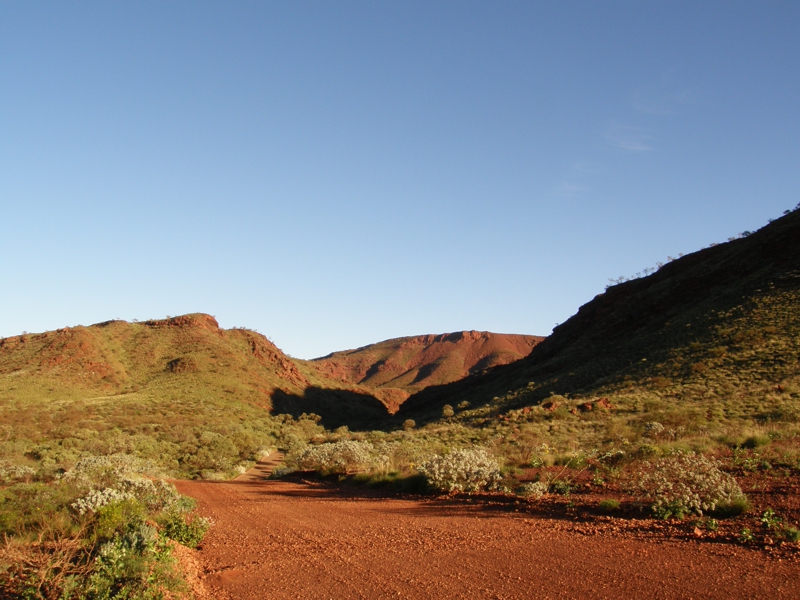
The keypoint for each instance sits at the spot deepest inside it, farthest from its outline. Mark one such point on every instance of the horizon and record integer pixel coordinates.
(646, 273)
(333, 176)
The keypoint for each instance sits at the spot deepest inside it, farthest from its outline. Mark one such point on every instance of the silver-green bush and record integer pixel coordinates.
(465, 470)
(687, 483)
(535, 489)
(345, 456)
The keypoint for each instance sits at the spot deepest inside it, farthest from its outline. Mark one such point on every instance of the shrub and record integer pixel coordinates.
(609, 505)
(791, 534)
(11, 473)
(281, 471)
(112, 549)
(465, 470)
(687, 483)
(648, 451)
(96, 499)
(91, 533)
(756, 441)
(344, 456)
(653, 429)
(116, 518)
(535, 489)
(120, 476)
(93, 472)
(189, 532)
(132, 564)
(563, 488)
(770, 520)
(733, 508)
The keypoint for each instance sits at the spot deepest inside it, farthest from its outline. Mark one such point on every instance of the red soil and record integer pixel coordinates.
(283, 539)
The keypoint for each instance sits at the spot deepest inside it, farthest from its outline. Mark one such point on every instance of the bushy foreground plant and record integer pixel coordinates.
(609, 505)
(688, 483)
(101, 530)
(464, 470)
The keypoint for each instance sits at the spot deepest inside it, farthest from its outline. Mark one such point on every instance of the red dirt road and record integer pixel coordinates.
(277, 539)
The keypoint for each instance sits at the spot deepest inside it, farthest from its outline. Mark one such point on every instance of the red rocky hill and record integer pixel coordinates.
(400, 367)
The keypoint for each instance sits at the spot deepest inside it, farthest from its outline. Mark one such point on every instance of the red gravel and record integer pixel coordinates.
(282, 539)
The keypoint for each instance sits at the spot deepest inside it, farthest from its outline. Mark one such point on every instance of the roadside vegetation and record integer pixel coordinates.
(104, 528)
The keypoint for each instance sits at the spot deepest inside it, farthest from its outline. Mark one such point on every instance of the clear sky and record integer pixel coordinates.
(337, 173)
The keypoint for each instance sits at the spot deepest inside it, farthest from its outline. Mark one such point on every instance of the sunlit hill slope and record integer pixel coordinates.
(720, 327)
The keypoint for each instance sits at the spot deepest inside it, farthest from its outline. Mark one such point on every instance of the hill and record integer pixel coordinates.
(205, 397)
(180, 387)
(719, 328)
(402, 366)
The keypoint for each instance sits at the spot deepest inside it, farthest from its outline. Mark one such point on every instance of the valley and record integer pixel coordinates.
(431, 465)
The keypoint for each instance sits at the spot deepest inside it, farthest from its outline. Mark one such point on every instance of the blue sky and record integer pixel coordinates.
(335, 174)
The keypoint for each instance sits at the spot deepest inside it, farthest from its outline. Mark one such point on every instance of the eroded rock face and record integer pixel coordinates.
(193, 320)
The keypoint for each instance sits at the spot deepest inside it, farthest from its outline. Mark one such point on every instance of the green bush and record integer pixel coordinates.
(791, 534)
(756, 441)
(562, 488)
(732, 508)
(116, 518)
(189, 532)
(770, 520)
(609, 505)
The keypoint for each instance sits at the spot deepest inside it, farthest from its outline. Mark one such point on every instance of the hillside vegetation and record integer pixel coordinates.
(182, 391)
(709, 337)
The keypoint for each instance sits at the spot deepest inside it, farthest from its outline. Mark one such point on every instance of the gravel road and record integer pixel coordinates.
(279, 539)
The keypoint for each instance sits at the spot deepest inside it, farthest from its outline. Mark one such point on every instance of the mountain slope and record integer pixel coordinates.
(402, 366)
(172, 361)
(721, 321)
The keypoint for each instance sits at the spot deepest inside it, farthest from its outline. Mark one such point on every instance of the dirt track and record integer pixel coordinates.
(276, 539)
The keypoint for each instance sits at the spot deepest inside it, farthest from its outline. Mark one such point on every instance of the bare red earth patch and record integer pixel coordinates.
(295, 539)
